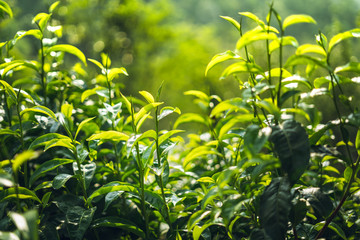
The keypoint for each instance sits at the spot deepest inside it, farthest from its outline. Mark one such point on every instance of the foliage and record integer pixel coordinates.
(78, 163)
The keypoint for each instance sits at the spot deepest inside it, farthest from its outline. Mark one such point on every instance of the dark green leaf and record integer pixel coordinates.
(292, 147)
(319, 201)
(275, 205)
(119, 223)
(60, 180)
(48, 166)
(78, 220)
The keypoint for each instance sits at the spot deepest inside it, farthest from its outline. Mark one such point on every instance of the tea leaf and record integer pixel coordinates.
(242, 67)
(190, 117)
(48, 166)
(354, 33)
(44, 139)
(78, 220)
(198, 152)
(117, 222)
(112, 187)
(41, 19)
(144, 110)
(22, 158)
(149, 98)
(6, 8)
(114, 72)
(27, 224)
(113, 136)
(23, 193)
(297, 18)
(165, 111)
(275, 205)
(286, 41)
(310, 48)
(292, 146)
(97, 63)
(81, 125)
(221, 57)
(40, 109)
(69, 49)
(253, 36)
(254, 18)
(60, 180)
(235, 23)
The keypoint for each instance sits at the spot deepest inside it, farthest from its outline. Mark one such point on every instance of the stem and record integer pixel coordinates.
(161, 183)
(343, 199)
(42, 73)
(82, 179)
(280, 63)
(269, 56)
(26, 165)
(141, 177)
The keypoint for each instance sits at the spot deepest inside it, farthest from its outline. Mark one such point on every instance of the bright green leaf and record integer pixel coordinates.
(235, 23)
(69, 49)
(297, 18)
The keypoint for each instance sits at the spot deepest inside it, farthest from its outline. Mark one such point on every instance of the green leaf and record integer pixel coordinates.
(60, 180)
(199, 230)
(67, 110)
(48, 166)
(117, 222)
(78, 220)
(154, 199)
(23, 193)
(297, 18)
(9, 90)
(9, 236)
(310, 48)
(40, 109)
(41, 19)
(97, 63)
(314, 138)
(168, 134)
(22, 158)
(206, 180)
(53, 6)
(67, 143)
(197, 152)
(354, 33)
(145, 110)
(165, 111)
(292, 147)
(44, 139)
(259, 234)
(197, 217)
(305, 60)
(113, 136)
(286, 41)
(242, 67)
(27, 224)
(149, 98)
(252, 36)
(114, 72)
(230, 105)
(298, 212)
(357, 140)
(254, 18)
(219, 58)
(235, 23)
(320, 202)
(112, 187)
(295, 79)
(81, 125)
(6, 8)
(69, 49)
(275, 205)
(349, 67)
(97, 90)
(233, 121)
(333, 226)
(88, 171)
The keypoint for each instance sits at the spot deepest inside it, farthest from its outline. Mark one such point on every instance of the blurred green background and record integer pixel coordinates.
(172, 41)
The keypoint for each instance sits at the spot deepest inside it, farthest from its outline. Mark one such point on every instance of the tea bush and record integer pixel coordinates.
(76, 162)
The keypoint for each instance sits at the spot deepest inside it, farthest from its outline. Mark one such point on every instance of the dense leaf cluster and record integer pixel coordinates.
(76, 162)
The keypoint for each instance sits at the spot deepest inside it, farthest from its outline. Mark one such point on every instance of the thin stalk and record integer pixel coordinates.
(161, 183)
(42, 74)
(7, 110)
(82, 178)
(280, 62)
(343, 199)
(26, 165)
(141, 177)
(269, 55)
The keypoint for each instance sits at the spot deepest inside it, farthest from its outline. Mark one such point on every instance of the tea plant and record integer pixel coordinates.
(78, 163)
